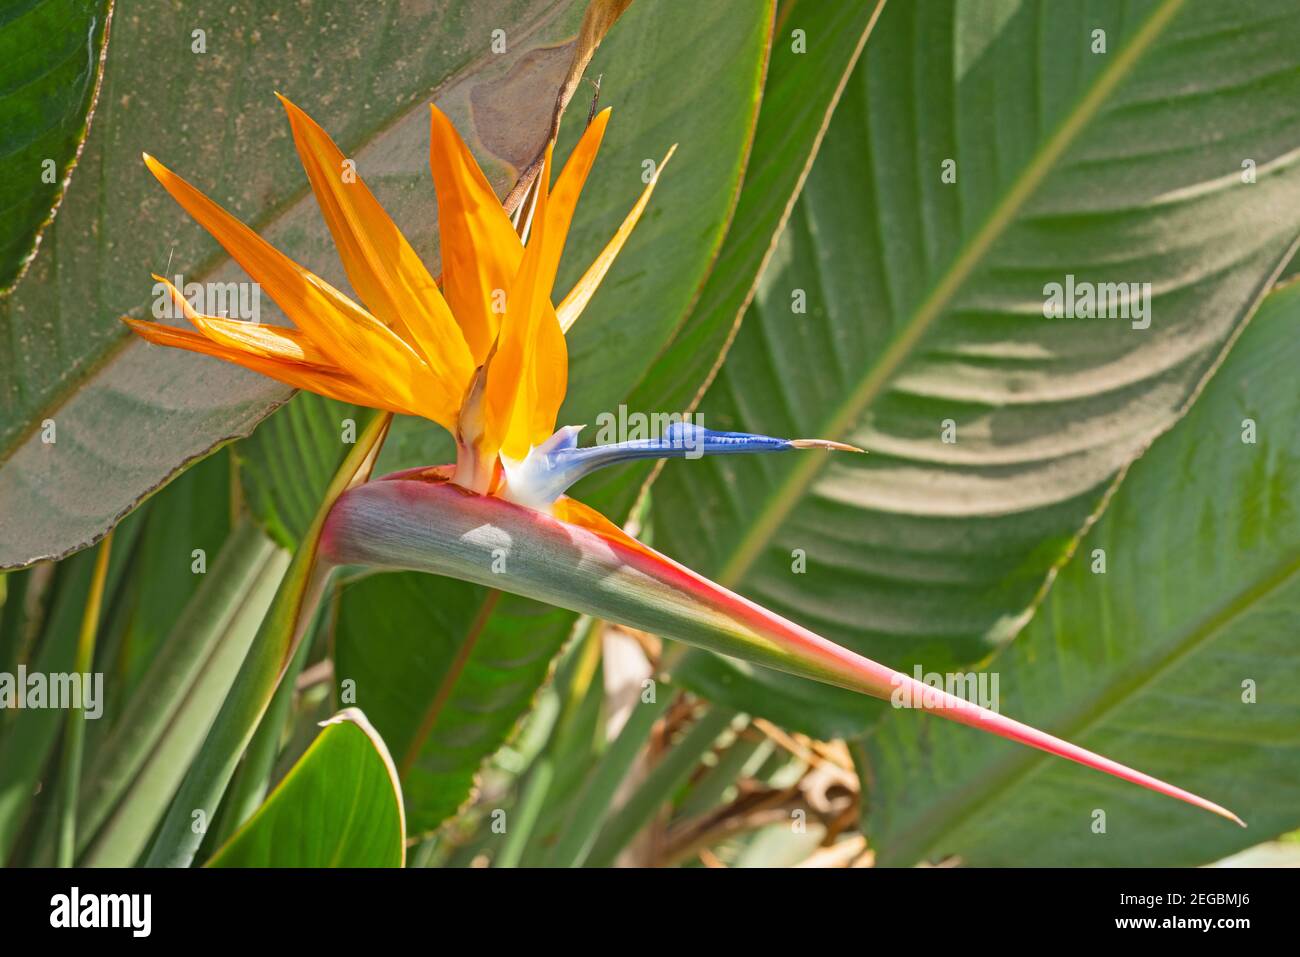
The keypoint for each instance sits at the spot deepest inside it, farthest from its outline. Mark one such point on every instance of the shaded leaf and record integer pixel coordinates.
(802, 88)
(286, 465)
(28, 735)
(138, 763)
(446, 670)
(181, 538)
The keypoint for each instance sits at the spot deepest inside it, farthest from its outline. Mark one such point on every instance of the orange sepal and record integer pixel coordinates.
(576, 301)
(332, 383)
(381, 265)
(350, 336)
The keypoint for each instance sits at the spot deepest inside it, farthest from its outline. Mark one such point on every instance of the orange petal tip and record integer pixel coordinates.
(287, 103)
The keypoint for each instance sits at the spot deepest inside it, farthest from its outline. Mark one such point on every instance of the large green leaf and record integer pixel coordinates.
(1179, 658)
(129, 415)
(51, 62)
(925, 304)
(674, 72)
(339, 806)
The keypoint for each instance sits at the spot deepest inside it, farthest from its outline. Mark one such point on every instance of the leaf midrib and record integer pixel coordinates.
(792, 490)
(461, 658)
(1000, 776)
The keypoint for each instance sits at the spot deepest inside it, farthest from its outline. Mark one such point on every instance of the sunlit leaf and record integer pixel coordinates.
(339, 806)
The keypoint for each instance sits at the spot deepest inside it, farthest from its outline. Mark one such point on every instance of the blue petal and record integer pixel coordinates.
(558, 463)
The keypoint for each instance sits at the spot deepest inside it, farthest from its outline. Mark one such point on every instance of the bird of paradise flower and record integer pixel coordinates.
(483, 354)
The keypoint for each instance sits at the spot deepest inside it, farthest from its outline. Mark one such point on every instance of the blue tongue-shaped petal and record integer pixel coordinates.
(558, 463)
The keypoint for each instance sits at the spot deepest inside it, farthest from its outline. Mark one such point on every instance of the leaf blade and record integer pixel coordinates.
(339, 806)
(1149, 656)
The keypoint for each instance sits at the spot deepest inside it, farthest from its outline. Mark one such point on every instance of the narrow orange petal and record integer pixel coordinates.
(479, 247)
(547, 376)
(350, 336)
(584, 516)
(528, 374)
(330, 382)
(381, 265)
(270, 342)
(523, 366)
(582, 291)
(548, 379)
(568, 186)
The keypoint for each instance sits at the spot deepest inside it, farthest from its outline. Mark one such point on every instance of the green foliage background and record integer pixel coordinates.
(851, 242)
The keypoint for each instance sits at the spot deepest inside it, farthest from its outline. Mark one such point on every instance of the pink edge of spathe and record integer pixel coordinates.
(806, 652)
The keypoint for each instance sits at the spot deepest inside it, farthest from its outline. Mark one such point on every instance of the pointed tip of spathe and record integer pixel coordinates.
(1221, 811)
(1203, 803)
(826, 444)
